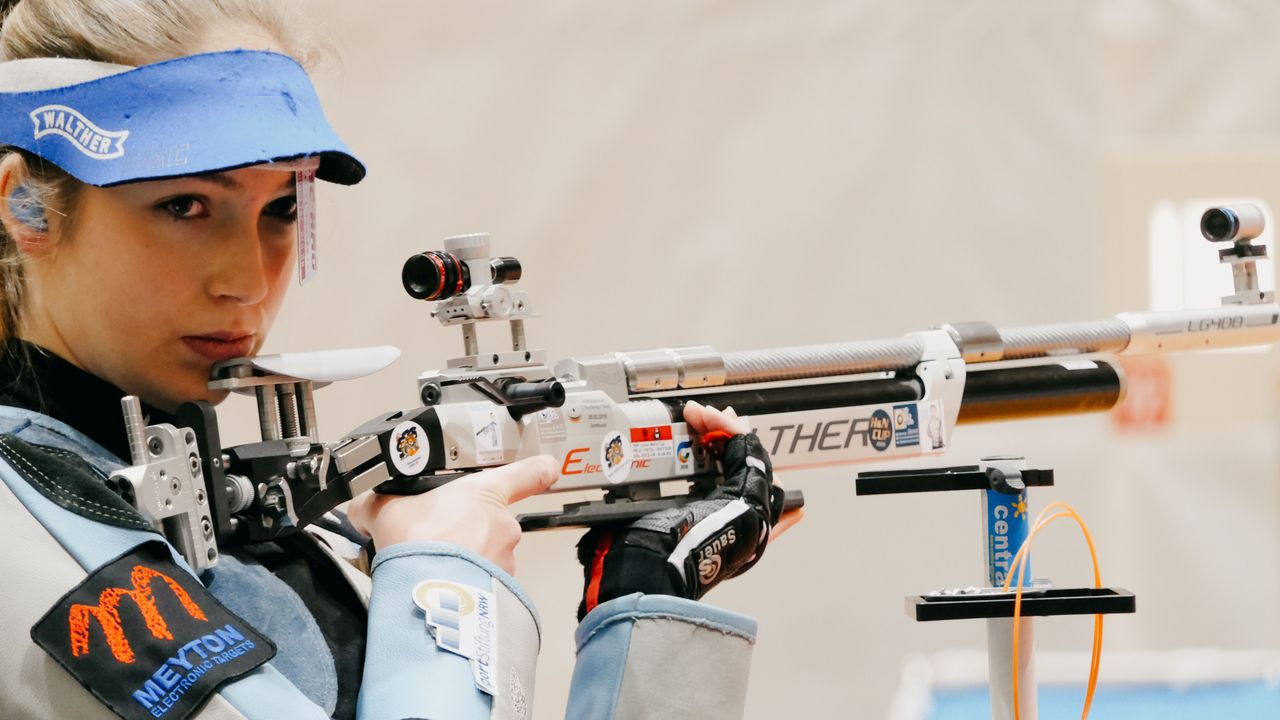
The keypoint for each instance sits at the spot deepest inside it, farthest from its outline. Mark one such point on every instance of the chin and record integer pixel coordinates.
(216, 396)
(204, 393)
(169, 398)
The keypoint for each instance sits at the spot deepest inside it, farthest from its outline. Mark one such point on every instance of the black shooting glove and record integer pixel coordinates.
(686, 551)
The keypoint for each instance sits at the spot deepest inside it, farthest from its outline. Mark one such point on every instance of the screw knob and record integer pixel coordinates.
(468, 247)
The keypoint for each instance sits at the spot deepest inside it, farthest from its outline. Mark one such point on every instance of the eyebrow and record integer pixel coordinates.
(219, 179)
(230, 183)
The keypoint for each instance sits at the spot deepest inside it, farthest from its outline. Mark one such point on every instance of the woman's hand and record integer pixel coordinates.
(470, 511)
(685, 551)
(705, 419)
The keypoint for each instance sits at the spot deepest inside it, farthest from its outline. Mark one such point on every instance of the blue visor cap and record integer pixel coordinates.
(191, 115)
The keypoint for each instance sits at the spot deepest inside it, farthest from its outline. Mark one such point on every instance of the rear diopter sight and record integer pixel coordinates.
(435, 275)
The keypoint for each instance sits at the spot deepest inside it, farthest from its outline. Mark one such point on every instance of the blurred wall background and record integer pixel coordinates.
(750, 174)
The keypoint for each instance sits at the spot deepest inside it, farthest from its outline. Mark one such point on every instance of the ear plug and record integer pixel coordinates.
(27, 209)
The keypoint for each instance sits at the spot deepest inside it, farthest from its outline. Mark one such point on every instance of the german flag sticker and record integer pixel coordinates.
(147, 639)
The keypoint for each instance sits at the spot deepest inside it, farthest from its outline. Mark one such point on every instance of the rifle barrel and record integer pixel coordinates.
(1001, 393)
(1040, 390)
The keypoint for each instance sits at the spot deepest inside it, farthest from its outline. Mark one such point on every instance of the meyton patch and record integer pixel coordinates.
(147, 639)
(88, 138)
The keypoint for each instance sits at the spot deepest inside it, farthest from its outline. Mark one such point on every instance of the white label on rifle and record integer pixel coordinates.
(934, 423)
(408, 448)
(551, 426)
(484, 421)
(615, 457)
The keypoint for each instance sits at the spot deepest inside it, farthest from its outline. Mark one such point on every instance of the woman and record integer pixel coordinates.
(151, 153)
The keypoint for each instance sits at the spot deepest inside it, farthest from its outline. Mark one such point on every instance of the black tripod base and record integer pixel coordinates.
(1035, 603)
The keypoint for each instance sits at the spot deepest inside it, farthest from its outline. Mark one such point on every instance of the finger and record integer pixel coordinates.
(695, 414)
(521, 479)
(703, 418)
(727, 420)
(734, 423)
(786, 522)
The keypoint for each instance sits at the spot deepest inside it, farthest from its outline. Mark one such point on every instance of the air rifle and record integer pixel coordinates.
(614, 422)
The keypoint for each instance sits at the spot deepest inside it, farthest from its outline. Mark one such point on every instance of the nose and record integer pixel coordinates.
(240, 273)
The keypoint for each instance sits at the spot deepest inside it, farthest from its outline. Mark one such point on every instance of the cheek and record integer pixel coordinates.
(119, 272)
(280, 262)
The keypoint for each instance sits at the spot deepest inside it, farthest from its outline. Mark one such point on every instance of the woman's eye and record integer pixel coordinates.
(285, 208)
(186, 207)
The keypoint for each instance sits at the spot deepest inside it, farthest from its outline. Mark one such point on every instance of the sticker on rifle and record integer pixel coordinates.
(934, 423)
(408, 448)
(880, 431)
(551, 426)
(615, 457)
(651, 443)
(684, 453)
(463, 620)
(595, 411)
(906, 425)
(484, 422)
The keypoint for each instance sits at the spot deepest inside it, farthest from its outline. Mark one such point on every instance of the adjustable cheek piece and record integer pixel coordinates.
(28, 210)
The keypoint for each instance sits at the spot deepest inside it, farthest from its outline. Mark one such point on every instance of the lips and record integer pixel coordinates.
(220, 346)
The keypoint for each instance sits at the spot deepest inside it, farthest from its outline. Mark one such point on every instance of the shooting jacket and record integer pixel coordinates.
(637, 656)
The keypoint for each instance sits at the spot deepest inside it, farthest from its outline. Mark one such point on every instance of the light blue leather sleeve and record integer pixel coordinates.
(655, 656)
(406, 675)
(261, 694)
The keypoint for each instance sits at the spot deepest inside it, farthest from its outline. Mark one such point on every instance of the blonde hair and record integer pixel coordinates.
(126, 32)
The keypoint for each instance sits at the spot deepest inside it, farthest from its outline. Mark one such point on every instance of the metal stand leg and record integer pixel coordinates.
(1007, 522)
(1000, 668)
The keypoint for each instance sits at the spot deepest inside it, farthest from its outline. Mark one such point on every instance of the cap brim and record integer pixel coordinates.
(187, 116)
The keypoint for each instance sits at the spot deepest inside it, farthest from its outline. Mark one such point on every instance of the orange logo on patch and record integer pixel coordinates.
(108, 614)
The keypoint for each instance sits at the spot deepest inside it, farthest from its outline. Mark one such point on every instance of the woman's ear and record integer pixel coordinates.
(22, 212)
